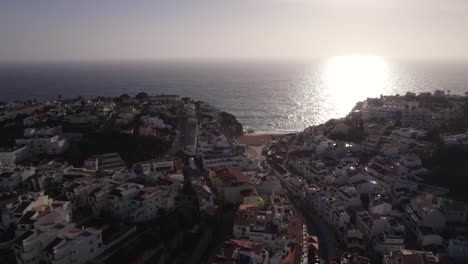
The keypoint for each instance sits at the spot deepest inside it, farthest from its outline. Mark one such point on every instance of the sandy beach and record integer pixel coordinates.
(256, 139)
(259, 139)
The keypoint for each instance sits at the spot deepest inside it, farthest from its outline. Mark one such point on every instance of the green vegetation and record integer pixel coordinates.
(130, 147)
(8, 135)
(138, 169)
(142, 95)
(52, 188)
(99, 174)
(448, 168)
(344, 130)
(8, 257)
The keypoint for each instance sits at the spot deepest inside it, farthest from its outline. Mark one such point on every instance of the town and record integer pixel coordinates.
(168, 179)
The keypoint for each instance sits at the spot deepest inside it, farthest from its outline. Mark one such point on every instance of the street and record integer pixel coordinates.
(328, 245)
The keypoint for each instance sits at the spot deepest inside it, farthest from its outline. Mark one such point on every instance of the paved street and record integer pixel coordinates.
(328, 245)
(180, 132)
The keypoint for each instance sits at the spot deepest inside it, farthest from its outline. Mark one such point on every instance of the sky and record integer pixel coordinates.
(61, 30)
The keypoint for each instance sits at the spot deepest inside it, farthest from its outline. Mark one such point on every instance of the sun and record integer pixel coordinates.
(349, 79)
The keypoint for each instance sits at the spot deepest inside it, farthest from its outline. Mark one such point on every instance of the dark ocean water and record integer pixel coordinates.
(265, 96)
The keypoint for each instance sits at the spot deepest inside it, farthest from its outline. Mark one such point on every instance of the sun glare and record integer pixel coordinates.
(349, 79)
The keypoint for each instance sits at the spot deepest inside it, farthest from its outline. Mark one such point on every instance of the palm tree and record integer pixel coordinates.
(99, 174)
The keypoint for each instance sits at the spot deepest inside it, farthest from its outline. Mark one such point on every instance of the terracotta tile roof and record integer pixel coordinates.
(50, 248)
(22, 206)
(25, 235)
(294, 255)
(27, 218)
(246, 215)
(230, 176)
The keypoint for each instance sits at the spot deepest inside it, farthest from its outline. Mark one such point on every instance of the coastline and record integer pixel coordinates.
(271, 132)
(261, 138)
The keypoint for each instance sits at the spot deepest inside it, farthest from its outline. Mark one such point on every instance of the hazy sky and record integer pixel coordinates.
(187, 29)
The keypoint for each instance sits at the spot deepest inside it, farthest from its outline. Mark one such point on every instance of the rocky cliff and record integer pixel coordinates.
(232, 127)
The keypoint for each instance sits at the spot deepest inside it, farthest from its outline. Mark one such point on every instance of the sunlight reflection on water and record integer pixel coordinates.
(349, 79)
(263, 95)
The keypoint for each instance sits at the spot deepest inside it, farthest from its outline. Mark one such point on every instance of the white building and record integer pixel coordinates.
(13, 155)
(48, 141)
(454, 211)
(123, 175)
(34, 210)
(76, 246)
(154, 122)
(380, 207)
(234, 251)
(30, 246)
(372, 225)
(120, 199)
(224, 161)
(354, 238)
(268, 185)
(386, 233)
(458, 249)
(105, 162)
(148, 203)
(254, 225)
(427, 236)
(410, 257)
(98, 198)
(134, 202)
(78, 191)
(424, 211)
(388, 241)
(155, 166)
(12, 176)
(346, 195)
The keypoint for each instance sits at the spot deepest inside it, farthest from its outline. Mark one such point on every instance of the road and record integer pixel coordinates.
(180, 132)
(328, 245)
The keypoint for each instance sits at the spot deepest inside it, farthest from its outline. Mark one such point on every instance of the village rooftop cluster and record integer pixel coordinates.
(365, 180)
(164, 179)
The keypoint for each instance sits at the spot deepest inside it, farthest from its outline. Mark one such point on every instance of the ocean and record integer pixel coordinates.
(268, 96)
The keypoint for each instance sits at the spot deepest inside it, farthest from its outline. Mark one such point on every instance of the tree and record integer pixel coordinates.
(398, 117)
(99, 174)
(138, 169)
(124, 96)
(141, 96)
(121, 98)
(52, 188)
